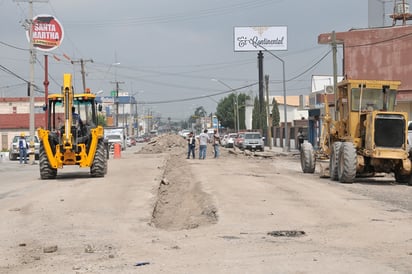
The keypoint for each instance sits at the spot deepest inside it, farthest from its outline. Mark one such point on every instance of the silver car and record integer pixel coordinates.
(253, 141)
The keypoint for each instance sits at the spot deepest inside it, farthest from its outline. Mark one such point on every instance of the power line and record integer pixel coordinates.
(198, 97)
(14, 47)
(177, 17)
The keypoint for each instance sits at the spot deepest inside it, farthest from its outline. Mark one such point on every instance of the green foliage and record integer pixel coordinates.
(255, 114)
(259, 120)
(242, 98)
(275, 113)
(101, 120)
(225, 111)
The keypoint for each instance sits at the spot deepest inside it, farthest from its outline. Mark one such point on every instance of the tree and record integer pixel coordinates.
(242, 98)
(101, 120)
(275, 113)
(225, 111)
(259, 120)
(194, 121)
(256, 114)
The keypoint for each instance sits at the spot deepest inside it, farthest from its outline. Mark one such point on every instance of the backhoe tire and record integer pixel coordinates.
(347, 163)
(46, 171)
(99, 166)
(334, 160)
(307, 158)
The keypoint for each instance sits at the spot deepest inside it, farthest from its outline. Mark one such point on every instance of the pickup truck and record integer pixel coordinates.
(14, 147)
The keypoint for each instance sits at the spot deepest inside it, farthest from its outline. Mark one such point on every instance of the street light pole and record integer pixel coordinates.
(237, 128)
(286, 146)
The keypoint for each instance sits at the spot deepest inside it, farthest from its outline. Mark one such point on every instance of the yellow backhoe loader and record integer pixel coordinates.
(72, 136)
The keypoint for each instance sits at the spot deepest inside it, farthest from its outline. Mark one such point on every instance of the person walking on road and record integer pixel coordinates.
(191, 145)
(203, 140)
(216, 143)
(23, 146)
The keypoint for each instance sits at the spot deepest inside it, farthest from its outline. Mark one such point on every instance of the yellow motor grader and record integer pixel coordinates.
(69, 138)
(366, 135)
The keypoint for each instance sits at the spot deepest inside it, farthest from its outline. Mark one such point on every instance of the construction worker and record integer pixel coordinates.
(23, 146)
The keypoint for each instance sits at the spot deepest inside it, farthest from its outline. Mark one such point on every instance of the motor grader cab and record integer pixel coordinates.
(363, 135)
(71, 138)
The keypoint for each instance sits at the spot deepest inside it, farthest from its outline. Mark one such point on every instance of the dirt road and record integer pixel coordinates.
(158, 212)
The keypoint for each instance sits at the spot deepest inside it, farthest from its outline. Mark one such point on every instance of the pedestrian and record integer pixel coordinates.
(23, 146)
(191, 145)
(216, 143)
(203, 140)
(301, 139)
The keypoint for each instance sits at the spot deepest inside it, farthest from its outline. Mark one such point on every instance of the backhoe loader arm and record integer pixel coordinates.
(68, 116)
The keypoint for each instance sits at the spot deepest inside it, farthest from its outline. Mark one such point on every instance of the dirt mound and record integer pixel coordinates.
(165, 143)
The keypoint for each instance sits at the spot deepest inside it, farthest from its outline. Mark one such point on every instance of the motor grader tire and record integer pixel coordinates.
(46, 171)
(347, 163)
(402, 179)
(307, 158)
(334, 160)
(99, 166)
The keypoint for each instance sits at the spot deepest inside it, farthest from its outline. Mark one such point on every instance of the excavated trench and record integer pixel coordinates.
(180, 203)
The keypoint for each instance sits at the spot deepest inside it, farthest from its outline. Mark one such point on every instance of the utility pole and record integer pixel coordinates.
(261, 84)
(269, 121)
(117, 101)
(81, 61)
(31, 81)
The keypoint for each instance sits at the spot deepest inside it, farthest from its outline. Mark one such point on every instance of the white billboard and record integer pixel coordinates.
(260, 38)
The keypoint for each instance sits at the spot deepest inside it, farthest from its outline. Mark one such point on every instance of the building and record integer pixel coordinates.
(378, 54)
(15, 117)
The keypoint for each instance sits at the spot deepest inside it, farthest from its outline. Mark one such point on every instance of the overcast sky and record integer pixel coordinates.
(166, 52)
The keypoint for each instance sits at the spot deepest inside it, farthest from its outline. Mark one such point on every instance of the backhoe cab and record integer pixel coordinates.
(363, 135)
(72, 136)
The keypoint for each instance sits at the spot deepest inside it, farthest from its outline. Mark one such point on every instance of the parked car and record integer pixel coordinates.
(252, 141)
(231, 140)
(14, 147)
(128, 141)
(133, 141)
(228, 140)
(239, 139)
(223, 140)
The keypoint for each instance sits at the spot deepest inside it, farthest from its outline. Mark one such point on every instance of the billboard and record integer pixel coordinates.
(260, 38)
(47, 32)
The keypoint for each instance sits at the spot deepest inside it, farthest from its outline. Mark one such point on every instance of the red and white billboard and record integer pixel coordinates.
(48, 33)
(260, 38)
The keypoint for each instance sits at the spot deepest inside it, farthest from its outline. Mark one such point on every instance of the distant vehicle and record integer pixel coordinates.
(184, 133)
(223, 141)
(143, 139)
(252, 141)
(228, 140)
(14, 147)
(231, 140)
(120, 138)
(128, 141)
(133, 140)
(115, 139)
(239, 139)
